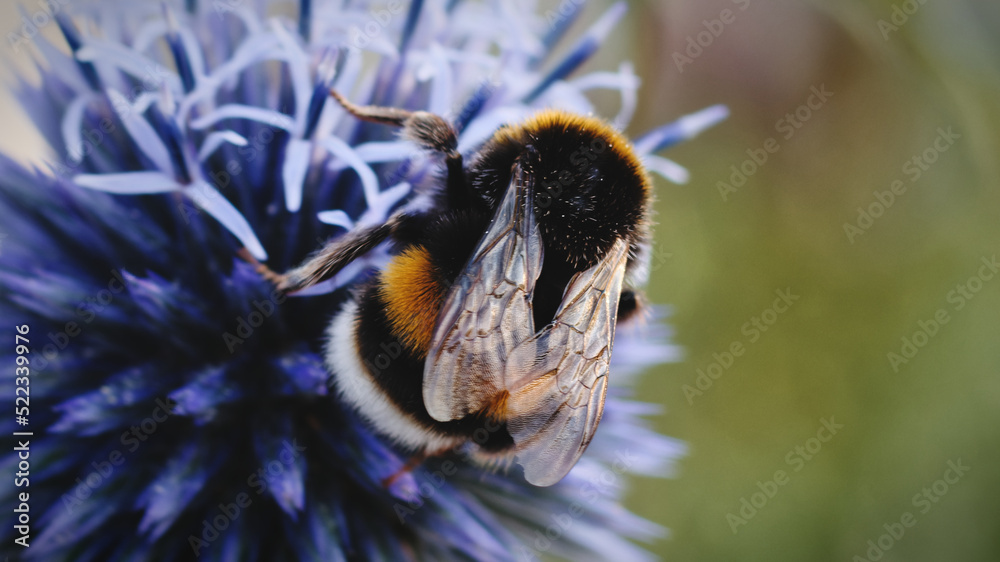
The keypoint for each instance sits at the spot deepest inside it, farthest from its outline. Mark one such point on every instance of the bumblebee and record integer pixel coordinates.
(493, 323)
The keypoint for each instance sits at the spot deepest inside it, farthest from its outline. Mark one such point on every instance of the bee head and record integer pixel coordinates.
(589, 187)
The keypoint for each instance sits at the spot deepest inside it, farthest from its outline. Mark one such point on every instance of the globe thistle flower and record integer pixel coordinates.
(180, 406)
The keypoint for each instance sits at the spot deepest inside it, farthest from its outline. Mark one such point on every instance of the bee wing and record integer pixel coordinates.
(557, 379)
(487, 312)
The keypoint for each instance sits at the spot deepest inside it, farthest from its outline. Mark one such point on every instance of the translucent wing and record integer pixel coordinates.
(557, 379)
(487, 313)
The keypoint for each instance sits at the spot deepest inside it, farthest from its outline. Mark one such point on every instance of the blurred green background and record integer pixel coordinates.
(827, 356)
(891, 87)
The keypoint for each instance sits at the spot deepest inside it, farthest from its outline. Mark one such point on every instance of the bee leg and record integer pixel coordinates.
(330, 259)
(630, 305)
(459, 196)
(414, 461)
(263, 270)
(427, 130)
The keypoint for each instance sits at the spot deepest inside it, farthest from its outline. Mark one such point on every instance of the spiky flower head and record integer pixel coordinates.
(180, 408)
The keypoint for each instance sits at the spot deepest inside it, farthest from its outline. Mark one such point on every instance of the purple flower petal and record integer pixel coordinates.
(685, 128)
(206, 391)
(387, 151)
(239, 111)
(177, 483)
(130, 183)
(282, 468)
(666, 168)
(336, 218)
(141, 131)
(72, 125)
(215, 139)
(582, 51)
(343, 151)
(129, 61)
(293, 173)
(213, 203)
